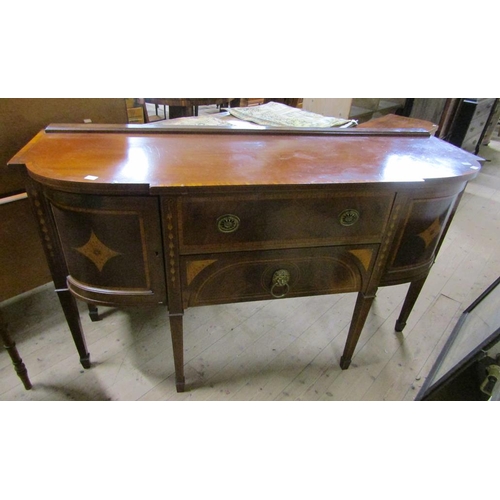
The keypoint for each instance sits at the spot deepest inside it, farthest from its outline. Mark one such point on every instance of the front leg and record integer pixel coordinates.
(57, 264)
(176, 331)
(70, 308)
(361, 310)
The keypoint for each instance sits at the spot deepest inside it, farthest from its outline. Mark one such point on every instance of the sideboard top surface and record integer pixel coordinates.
(151, 162)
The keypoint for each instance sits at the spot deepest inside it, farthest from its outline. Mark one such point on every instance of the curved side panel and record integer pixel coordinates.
(421, 234)
(112, 247)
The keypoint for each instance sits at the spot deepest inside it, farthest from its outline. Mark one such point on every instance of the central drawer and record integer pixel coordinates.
(272, 274)
(229, 223)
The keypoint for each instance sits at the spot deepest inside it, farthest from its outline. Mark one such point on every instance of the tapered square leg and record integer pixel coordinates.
(361, 310)
(72, 314)
(410, 300)
(176, 331)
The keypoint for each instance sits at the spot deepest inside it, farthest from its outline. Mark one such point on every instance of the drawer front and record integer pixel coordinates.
(225, 278)
(242, 223)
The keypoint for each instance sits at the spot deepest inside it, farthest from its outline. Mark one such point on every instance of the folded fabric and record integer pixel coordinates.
(274, 114)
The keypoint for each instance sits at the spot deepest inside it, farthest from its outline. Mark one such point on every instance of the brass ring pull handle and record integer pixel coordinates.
(349, 217)
(228, 223)
(280, 280)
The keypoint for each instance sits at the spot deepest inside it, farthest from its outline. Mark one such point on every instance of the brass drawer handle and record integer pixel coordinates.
(349, 217)
(280, 280)
(228, 223)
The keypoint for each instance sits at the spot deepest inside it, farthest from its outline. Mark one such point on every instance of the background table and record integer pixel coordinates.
(179, 107)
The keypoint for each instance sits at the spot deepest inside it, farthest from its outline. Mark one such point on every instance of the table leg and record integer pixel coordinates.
(361, 310)
(176, 331)
(70, 308)
(55, 259)
(411, 298)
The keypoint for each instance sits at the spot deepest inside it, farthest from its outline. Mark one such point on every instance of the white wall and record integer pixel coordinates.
(337, 107)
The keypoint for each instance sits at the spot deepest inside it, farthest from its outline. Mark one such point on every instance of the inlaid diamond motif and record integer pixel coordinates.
(97, 251)
(431, 232)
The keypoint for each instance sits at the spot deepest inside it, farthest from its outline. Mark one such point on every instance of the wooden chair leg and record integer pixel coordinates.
(19, 366)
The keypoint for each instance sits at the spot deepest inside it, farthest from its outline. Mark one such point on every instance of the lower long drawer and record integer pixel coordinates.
(244, 276)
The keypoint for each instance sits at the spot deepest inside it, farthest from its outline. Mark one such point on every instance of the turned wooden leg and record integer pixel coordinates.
(72, 315)
(19, 366)
(411, 298)
(176, 332)
(361, 310)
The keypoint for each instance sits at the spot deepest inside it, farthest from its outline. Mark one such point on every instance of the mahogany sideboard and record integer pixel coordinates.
(183, 217)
